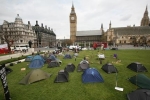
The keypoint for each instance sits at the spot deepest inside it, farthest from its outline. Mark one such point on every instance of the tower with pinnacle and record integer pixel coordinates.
(145, 20)
(73, 24)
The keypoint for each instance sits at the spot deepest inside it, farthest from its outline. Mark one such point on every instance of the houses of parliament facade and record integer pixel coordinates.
(139, 35)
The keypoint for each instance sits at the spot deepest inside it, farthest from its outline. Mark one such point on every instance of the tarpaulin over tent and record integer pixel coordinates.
(141, 80)
(139, 94)
(34, 76)
(91, 75)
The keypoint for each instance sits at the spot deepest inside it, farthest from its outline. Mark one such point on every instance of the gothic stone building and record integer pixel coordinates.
(80, 37)
(136, 35)
(121, 35)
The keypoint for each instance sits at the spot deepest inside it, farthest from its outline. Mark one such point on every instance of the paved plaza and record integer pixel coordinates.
(29, 53)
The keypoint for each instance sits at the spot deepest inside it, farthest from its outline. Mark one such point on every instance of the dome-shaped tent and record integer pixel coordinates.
(28, 58)
(140, 80)
(91, 75)
(53, 64)
(67, 56)
(137, 67)
(37, 62)
(109, 68)
(63, 76)
(34, 76)
(139, 94)
(70, 67)
(83, 66)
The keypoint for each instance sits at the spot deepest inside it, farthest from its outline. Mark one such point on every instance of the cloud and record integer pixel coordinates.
(90, 14)
(125, 18)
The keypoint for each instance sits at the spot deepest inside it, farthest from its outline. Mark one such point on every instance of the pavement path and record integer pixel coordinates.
(15, 55)
(51, 49)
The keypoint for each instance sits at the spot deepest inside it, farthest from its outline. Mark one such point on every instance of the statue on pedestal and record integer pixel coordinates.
(30, 43)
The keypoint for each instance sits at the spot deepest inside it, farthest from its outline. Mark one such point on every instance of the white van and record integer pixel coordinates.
(21, 48)
(72, 46)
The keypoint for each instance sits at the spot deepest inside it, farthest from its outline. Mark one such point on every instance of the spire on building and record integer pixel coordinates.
(110, 25)
(102, 26)
(36, 22)
(42, 25)
(28, 22)
(72, 9)
(145, 20)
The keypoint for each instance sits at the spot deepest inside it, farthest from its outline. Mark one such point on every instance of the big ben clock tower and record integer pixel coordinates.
(73, 25)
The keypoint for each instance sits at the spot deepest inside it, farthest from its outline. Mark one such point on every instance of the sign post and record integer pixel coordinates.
(4, 82)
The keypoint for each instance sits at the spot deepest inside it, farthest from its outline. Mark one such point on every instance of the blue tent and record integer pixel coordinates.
(37, 62)
(38, 57)
(91, 75)
(29, 58)
(52, 57)
(67, 56)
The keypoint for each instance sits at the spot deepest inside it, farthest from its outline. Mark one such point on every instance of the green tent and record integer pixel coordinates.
(34, 76)
(140, 80)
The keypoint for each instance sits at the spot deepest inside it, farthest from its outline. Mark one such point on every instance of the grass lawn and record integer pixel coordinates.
(75, 89)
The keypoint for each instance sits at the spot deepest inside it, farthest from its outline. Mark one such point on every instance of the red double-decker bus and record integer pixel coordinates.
(99, 44)
(3, 49)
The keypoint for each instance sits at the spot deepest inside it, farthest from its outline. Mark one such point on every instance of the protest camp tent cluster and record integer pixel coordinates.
(91, 75)
(37, 62)
(34, 76)
(83, 66)
(63, 76)
(139, 94)
(109, 68)
(140, 80)
(137, 67)
(70, 67)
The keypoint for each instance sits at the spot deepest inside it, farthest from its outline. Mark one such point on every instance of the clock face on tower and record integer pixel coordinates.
(72, 18)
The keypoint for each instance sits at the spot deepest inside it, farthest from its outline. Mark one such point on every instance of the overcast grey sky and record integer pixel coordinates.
(90, 13)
